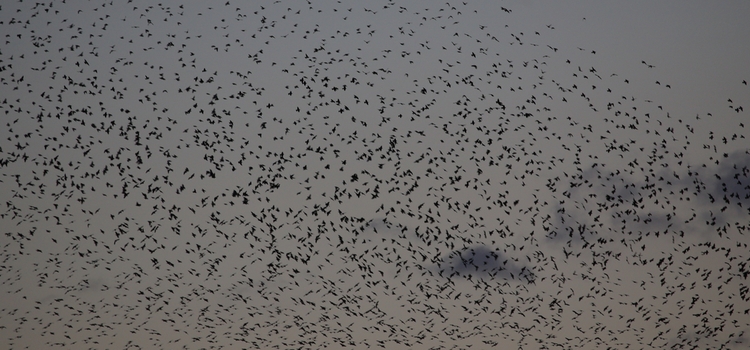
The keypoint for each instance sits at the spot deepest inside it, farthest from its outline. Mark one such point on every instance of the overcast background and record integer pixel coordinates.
(528, 174)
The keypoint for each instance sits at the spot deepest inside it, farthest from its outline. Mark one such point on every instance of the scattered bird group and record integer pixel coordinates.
(292, 176)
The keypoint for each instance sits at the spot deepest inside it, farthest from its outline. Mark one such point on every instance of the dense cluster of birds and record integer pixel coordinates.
(354, 175)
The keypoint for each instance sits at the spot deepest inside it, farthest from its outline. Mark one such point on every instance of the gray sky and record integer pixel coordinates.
(529, 174)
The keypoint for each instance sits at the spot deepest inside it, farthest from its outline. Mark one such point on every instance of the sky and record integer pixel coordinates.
(418, 175)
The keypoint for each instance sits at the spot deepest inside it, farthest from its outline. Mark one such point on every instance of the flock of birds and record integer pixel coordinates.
(297, 175)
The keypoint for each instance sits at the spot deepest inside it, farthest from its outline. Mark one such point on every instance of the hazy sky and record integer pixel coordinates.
(419, 175)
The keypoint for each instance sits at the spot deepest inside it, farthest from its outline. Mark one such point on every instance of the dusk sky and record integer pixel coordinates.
(349, 174)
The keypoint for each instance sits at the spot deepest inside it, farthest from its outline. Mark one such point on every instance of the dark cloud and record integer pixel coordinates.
(481, 261)
(731, 185)
(607, 204)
